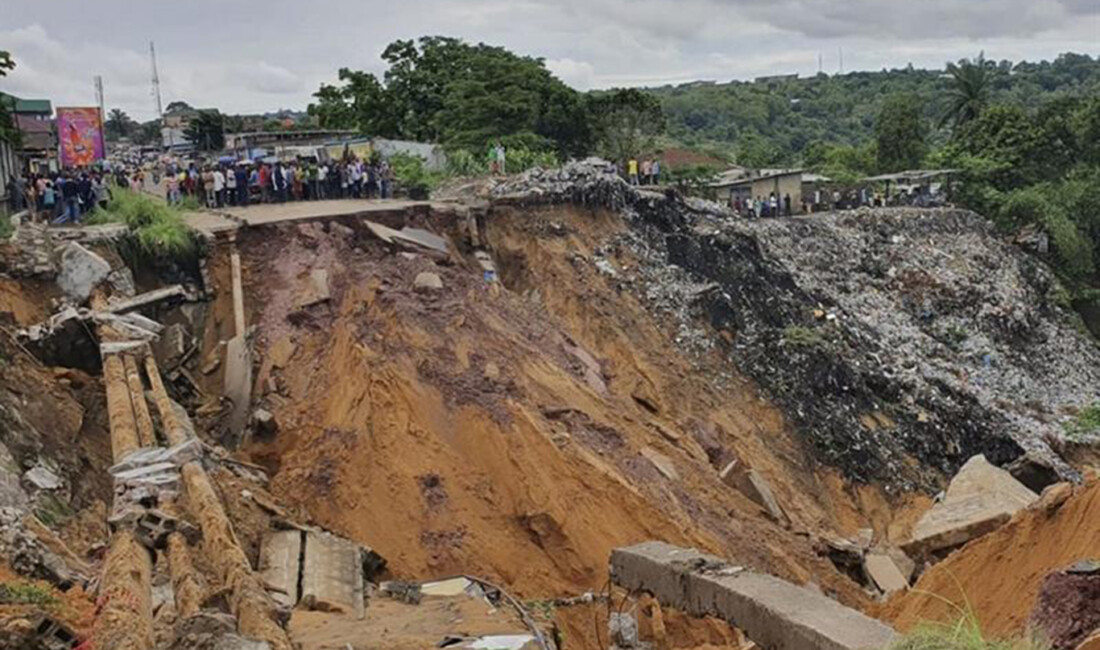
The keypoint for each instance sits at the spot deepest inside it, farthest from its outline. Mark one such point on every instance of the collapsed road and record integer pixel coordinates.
(317, 425)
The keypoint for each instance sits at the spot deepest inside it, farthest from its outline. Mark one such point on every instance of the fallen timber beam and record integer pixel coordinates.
(148, 298)
(773, 613)
(249, 600)
(142, 419)
(125, 617)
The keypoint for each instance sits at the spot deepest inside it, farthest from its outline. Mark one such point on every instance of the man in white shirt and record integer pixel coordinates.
(231, 188)
(219, 187)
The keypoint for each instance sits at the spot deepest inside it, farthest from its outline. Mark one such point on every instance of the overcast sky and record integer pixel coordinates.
(259, 55)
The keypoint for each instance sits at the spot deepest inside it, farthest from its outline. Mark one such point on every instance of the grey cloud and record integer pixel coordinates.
(206, 58)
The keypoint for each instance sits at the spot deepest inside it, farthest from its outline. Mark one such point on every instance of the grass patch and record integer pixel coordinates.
(18, 593)
(1086, 423)
(802, 337)
(52, 511)
(158, 228)
(964, 634)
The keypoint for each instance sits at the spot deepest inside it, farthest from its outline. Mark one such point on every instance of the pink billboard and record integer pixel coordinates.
(80, 133)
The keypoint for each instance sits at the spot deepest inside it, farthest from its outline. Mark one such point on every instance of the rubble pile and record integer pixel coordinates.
(883, 333)
(894, 332)
(590, 182)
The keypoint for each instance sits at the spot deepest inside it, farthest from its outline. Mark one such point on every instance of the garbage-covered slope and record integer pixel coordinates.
(900, 341)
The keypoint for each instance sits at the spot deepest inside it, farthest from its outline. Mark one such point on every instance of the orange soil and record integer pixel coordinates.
(998, 576)
(27, 300)
(73, 607)
(415, 424)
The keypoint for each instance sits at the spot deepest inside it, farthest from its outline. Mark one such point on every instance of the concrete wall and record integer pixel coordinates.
(782, 186)
(774, 613)
(432, 153)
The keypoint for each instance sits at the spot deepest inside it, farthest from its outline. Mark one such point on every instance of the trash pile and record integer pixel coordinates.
(885, 333)
(591, 182)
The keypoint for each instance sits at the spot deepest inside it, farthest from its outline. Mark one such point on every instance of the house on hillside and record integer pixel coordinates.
(37, 131)
(761, 184)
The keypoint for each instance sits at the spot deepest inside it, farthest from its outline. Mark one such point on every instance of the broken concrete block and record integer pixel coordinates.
(772, 612)
(316, 289)
(280, 565)
(265, 423)
(663, 463)
(753, 485)
(884, 573)
(11, 489)
(171, 346)
(238, 382)
(428, 281)
(1034, 471)
(979, 500)
(41, 477)
(332, 576)
(122, 282)
(81, 271)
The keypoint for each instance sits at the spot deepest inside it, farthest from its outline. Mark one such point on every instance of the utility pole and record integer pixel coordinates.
(156, 91)
(840, 56)
(102, 113)
(819, 62)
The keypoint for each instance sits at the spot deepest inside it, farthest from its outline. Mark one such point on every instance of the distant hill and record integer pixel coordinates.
(775, 118)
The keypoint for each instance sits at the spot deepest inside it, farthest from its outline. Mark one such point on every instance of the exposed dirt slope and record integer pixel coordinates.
(998, 576)
(457, 431)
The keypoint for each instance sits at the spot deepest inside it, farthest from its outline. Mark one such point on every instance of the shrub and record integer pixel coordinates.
(158, 229)
(18, 593)
(964, 634)
(411, 175)
(1086, 423)
(803, 337)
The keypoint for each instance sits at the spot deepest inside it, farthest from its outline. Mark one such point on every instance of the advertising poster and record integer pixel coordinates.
(80, 132)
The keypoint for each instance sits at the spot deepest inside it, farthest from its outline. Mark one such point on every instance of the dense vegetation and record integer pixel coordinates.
(468, 97)
(775, 121)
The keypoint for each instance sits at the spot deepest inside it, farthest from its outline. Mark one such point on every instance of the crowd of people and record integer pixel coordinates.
(648, 172)
(60, 197)
(244, 183)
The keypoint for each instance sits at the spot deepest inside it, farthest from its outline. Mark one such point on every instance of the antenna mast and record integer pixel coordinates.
(156, 79)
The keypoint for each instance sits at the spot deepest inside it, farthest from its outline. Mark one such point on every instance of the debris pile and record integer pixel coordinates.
(876, 352)
(591, 182)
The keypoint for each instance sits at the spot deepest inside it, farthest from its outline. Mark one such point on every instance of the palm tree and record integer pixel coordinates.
(968, 94)
(119, 124)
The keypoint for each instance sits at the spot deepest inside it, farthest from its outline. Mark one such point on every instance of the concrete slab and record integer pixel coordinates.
(280, 565)
(332, 576)
(884, 573)
(315, 289)
(449, 587)
(238, 382)
(773, 613)
(80, 271)
(979, 500)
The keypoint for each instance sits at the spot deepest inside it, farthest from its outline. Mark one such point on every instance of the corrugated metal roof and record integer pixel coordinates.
(29, 105)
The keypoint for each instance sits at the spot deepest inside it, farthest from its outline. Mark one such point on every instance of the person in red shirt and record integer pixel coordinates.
(265, 183)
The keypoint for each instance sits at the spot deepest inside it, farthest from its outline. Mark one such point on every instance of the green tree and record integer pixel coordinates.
(626, 122)
(900, 133)
(207, 131)
(445, 90)
(8, 132)
(968, 91)
(148, 133)
(118, 124)
(6, 63)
